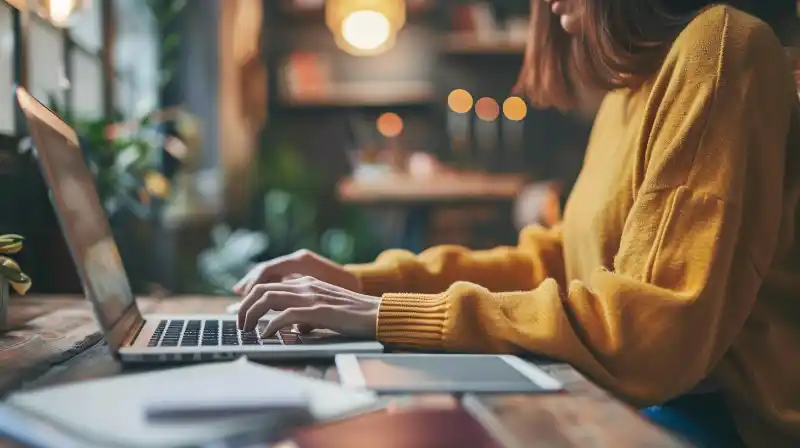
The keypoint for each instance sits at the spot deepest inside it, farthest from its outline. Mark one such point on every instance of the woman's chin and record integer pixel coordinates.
(570, 23)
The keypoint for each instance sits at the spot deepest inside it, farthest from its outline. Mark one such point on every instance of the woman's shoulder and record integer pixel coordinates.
(723, 39)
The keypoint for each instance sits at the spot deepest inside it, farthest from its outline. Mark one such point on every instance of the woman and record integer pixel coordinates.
(676, 261)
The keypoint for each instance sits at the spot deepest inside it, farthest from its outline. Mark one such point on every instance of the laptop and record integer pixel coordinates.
(131, 336)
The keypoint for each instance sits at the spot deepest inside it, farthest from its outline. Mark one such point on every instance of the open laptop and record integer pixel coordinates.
(131, 336)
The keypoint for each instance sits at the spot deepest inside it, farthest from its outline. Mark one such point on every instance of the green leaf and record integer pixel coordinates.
(12, 275)
(170, 44)
(11, 237)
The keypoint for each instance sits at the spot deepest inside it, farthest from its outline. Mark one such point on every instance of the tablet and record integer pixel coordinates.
(429, 373)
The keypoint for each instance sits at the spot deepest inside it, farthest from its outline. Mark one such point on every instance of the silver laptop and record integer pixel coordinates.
(131, 336)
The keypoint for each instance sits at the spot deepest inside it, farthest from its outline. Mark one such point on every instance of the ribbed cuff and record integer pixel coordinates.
(413, 320)
(376, 280)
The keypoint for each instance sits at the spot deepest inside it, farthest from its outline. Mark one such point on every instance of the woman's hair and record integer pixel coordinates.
(622, 44)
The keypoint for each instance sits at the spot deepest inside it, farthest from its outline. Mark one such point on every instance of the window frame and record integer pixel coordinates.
(21, 19)
(15, 74)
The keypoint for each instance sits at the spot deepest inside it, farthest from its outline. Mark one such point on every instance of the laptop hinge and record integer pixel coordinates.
(133, 333)
(126, 329)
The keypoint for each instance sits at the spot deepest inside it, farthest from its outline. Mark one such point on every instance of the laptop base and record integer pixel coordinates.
(201, 338)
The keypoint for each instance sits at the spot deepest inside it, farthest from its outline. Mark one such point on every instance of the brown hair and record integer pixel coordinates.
(622, 43)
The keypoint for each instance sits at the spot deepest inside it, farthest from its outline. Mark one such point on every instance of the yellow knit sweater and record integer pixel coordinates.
(676, 260)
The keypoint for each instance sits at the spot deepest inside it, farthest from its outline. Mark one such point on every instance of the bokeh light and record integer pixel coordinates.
(366, 30)
(487, 109)
(156, 184)
(390, 125)
(459, 101)
(515, 109)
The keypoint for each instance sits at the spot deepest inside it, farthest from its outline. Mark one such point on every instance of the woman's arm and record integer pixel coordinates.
(702, 232)
(537, 256)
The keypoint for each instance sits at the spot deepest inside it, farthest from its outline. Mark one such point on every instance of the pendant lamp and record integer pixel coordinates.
(59, 12)
(365, 27)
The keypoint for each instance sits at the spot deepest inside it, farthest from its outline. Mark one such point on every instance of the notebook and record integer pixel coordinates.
(111, 412)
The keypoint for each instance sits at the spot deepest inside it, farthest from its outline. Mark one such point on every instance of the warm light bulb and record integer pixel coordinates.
(59, 11)
(459, 101)
(487, 109)
(366, 30)
(515, 109)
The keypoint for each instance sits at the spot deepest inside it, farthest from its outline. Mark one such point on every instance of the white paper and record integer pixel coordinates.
(236, 389)
(113, 409)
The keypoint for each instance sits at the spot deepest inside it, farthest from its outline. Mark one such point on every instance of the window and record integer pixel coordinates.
(87, 85)
(86, 29)
(136, 58)
(7, 102)
(47, 78)
(124, 96)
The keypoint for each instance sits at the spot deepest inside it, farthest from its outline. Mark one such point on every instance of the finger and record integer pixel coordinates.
(247, 302)
(325, 292)
(248, 278)
(255, 294)
(270, 271)
(275, 301)
(309, 289)
(311, 316)
(310, 284)
(304, 328)
(292, 277)
(239, 286)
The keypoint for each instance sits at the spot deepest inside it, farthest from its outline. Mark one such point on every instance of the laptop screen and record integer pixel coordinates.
(80, 213)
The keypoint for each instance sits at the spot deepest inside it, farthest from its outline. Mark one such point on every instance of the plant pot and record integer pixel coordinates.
(4, 305)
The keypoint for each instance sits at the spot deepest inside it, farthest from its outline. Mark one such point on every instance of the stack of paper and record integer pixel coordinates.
(111, 412)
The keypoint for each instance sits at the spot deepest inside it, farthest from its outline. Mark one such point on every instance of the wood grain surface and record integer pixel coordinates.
(63, 346)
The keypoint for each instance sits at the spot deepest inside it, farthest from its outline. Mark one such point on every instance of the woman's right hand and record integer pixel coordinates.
(302, 263)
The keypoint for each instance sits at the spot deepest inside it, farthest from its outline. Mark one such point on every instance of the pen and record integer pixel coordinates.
(172, 412)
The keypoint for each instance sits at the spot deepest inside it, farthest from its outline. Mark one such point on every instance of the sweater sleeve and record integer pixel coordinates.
(537, 256)
(700, 235)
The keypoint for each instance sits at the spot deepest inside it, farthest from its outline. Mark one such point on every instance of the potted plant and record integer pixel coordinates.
(10, 273)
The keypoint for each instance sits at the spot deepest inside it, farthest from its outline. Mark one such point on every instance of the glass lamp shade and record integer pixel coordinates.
(59, 12)
(365, 27)
(368, 46)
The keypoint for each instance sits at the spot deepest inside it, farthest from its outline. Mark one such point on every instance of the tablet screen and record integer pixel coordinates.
(445, 373)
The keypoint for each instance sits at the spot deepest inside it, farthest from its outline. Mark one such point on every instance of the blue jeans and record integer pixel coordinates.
(702, 420)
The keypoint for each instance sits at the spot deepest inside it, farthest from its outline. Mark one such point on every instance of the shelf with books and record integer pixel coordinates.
(361, 94)
(470, 43)
(309, 79)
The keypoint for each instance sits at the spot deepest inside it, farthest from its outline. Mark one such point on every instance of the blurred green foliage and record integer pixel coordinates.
(300, 209)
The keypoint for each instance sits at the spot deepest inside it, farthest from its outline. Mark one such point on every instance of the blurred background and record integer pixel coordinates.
(226, 132)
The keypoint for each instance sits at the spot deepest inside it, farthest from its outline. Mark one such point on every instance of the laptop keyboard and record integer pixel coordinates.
(216, 333)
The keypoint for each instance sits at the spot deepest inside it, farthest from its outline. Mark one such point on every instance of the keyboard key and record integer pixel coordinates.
(289, 338)
(250, 338)
(262, 325)
(155, 338)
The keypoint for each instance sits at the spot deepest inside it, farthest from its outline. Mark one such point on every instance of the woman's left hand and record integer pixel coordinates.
(310, 303)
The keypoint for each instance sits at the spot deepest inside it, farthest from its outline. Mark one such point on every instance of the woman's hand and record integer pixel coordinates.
(310, 303)
(299, 264)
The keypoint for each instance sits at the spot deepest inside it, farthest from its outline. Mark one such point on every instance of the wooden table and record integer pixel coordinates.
(60, 344)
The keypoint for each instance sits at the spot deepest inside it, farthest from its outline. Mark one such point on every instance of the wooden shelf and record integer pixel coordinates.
(445, 187)
(470, 44)
(364, 94)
